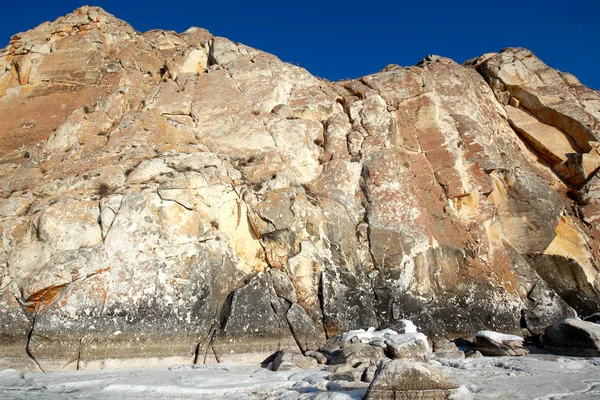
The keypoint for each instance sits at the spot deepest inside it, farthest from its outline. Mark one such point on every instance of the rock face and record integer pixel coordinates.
(183, 197)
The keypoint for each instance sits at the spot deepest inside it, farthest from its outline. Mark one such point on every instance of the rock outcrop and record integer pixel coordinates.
(183, 197)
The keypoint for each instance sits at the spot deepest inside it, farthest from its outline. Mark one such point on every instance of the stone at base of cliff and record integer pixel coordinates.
(499, 344)
(289, 360)
(573, 337)
(408, 380)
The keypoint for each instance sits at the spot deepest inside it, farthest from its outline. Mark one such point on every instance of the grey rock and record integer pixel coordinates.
(357, 353)
(443, 345)
(287, 361)
(415, 349)
(496, 344)
(369, 374)
(352, 375)
(401, 379)
(573, 337)
(473, 354)
(317, 355)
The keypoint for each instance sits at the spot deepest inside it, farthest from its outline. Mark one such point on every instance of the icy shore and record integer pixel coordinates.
(541, 376)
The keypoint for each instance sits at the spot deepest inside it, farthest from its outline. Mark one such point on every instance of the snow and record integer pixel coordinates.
(538, 376)
(390, 335)
(497, 336)
(372, 334)
(220, 381)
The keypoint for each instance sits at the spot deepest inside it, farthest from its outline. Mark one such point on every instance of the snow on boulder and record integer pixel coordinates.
(491, 343)
(411, 344)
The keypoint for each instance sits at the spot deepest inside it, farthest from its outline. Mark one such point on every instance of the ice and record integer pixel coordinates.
(538, 376)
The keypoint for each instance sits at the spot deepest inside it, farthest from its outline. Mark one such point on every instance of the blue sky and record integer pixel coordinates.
(347, 39)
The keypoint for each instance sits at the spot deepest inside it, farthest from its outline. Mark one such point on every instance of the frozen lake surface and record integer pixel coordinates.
(541, 377)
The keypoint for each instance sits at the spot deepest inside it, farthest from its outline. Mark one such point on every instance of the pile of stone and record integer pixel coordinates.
(390, 361)
(397, 364)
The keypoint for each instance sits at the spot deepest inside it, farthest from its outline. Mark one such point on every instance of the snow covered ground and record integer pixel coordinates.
(542, 377)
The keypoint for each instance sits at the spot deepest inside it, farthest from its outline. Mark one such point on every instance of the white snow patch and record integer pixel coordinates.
(497, 336)
(371, 334)
(541, 376)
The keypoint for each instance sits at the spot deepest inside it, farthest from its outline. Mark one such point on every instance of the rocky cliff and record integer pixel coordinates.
(182, 197)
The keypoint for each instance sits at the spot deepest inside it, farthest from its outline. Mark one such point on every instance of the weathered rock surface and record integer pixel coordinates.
(573, 337)
(183, 197)
(409, 380)
(443, 348)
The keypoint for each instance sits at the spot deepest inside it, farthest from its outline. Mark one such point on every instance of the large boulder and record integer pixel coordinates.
(409, 380)
(491, 343)
(573, 337)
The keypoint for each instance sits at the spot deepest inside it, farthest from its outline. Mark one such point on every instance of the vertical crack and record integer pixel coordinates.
(27, 346)
(322, 304)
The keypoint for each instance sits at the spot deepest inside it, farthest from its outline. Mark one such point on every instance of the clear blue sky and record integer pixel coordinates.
(347, 39)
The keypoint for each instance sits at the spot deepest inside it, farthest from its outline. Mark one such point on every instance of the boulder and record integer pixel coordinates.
(353, 375)
(573, 337)
(288, 360)
(408, 346)
(443, 348)
(369, 374)
(499, 344)
(357, 353)
(400, 379)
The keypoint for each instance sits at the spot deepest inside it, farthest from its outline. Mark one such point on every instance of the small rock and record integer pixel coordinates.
(400, 379)
(473, 354)
(413, 347)
(339, 368)
(443, 348)
(443, 345)
(317, 355)
(353, 375)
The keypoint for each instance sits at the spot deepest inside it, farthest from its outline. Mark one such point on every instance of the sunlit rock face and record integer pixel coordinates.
(182, 197)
